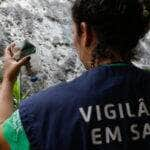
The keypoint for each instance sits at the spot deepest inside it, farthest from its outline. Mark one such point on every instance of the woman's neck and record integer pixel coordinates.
(106, 62)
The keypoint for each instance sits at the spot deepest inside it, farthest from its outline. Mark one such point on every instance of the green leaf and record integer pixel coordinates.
(17, 90)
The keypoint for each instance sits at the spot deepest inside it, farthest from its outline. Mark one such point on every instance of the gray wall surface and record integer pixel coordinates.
(47, 24)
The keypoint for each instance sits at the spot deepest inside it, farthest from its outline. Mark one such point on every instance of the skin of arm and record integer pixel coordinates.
(11, 69)
(6, 103)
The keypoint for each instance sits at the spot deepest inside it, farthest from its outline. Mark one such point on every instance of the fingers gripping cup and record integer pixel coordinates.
(23, 49)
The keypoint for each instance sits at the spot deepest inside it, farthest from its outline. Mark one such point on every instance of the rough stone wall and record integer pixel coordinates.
(47, 24)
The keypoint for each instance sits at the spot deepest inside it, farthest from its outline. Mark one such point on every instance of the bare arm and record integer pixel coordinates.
(10, 71)
(6, 103)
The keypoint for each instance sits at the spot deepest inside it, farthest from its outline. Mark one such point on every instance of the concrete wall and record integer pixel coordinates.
(47, 24)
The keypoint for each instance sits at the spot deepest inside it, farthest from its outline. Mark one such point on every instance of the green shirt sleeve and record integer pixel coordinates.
(14, 133)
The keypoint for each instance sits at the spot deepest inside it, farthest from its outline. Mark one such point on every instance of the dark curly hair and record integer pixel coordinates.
(119, 24)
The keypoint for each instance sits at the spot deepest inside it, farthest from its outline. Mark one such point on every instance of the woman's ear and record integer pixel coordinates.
(86, 34)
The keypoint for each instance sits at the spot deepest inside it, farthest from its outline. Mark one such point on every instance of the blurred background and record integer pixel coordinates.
(47, 24)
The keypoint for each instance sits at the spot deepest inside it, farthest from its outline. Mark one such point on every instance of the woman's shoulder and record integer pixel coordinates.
(55, 95)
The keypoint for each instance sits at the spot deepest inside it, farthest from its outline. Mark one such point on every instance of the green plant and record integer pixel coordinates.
(1, 74)
(17, 94)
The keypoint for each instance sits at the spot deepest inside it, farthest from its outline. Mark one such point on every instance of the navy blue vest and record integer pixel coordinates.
(107, 108)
